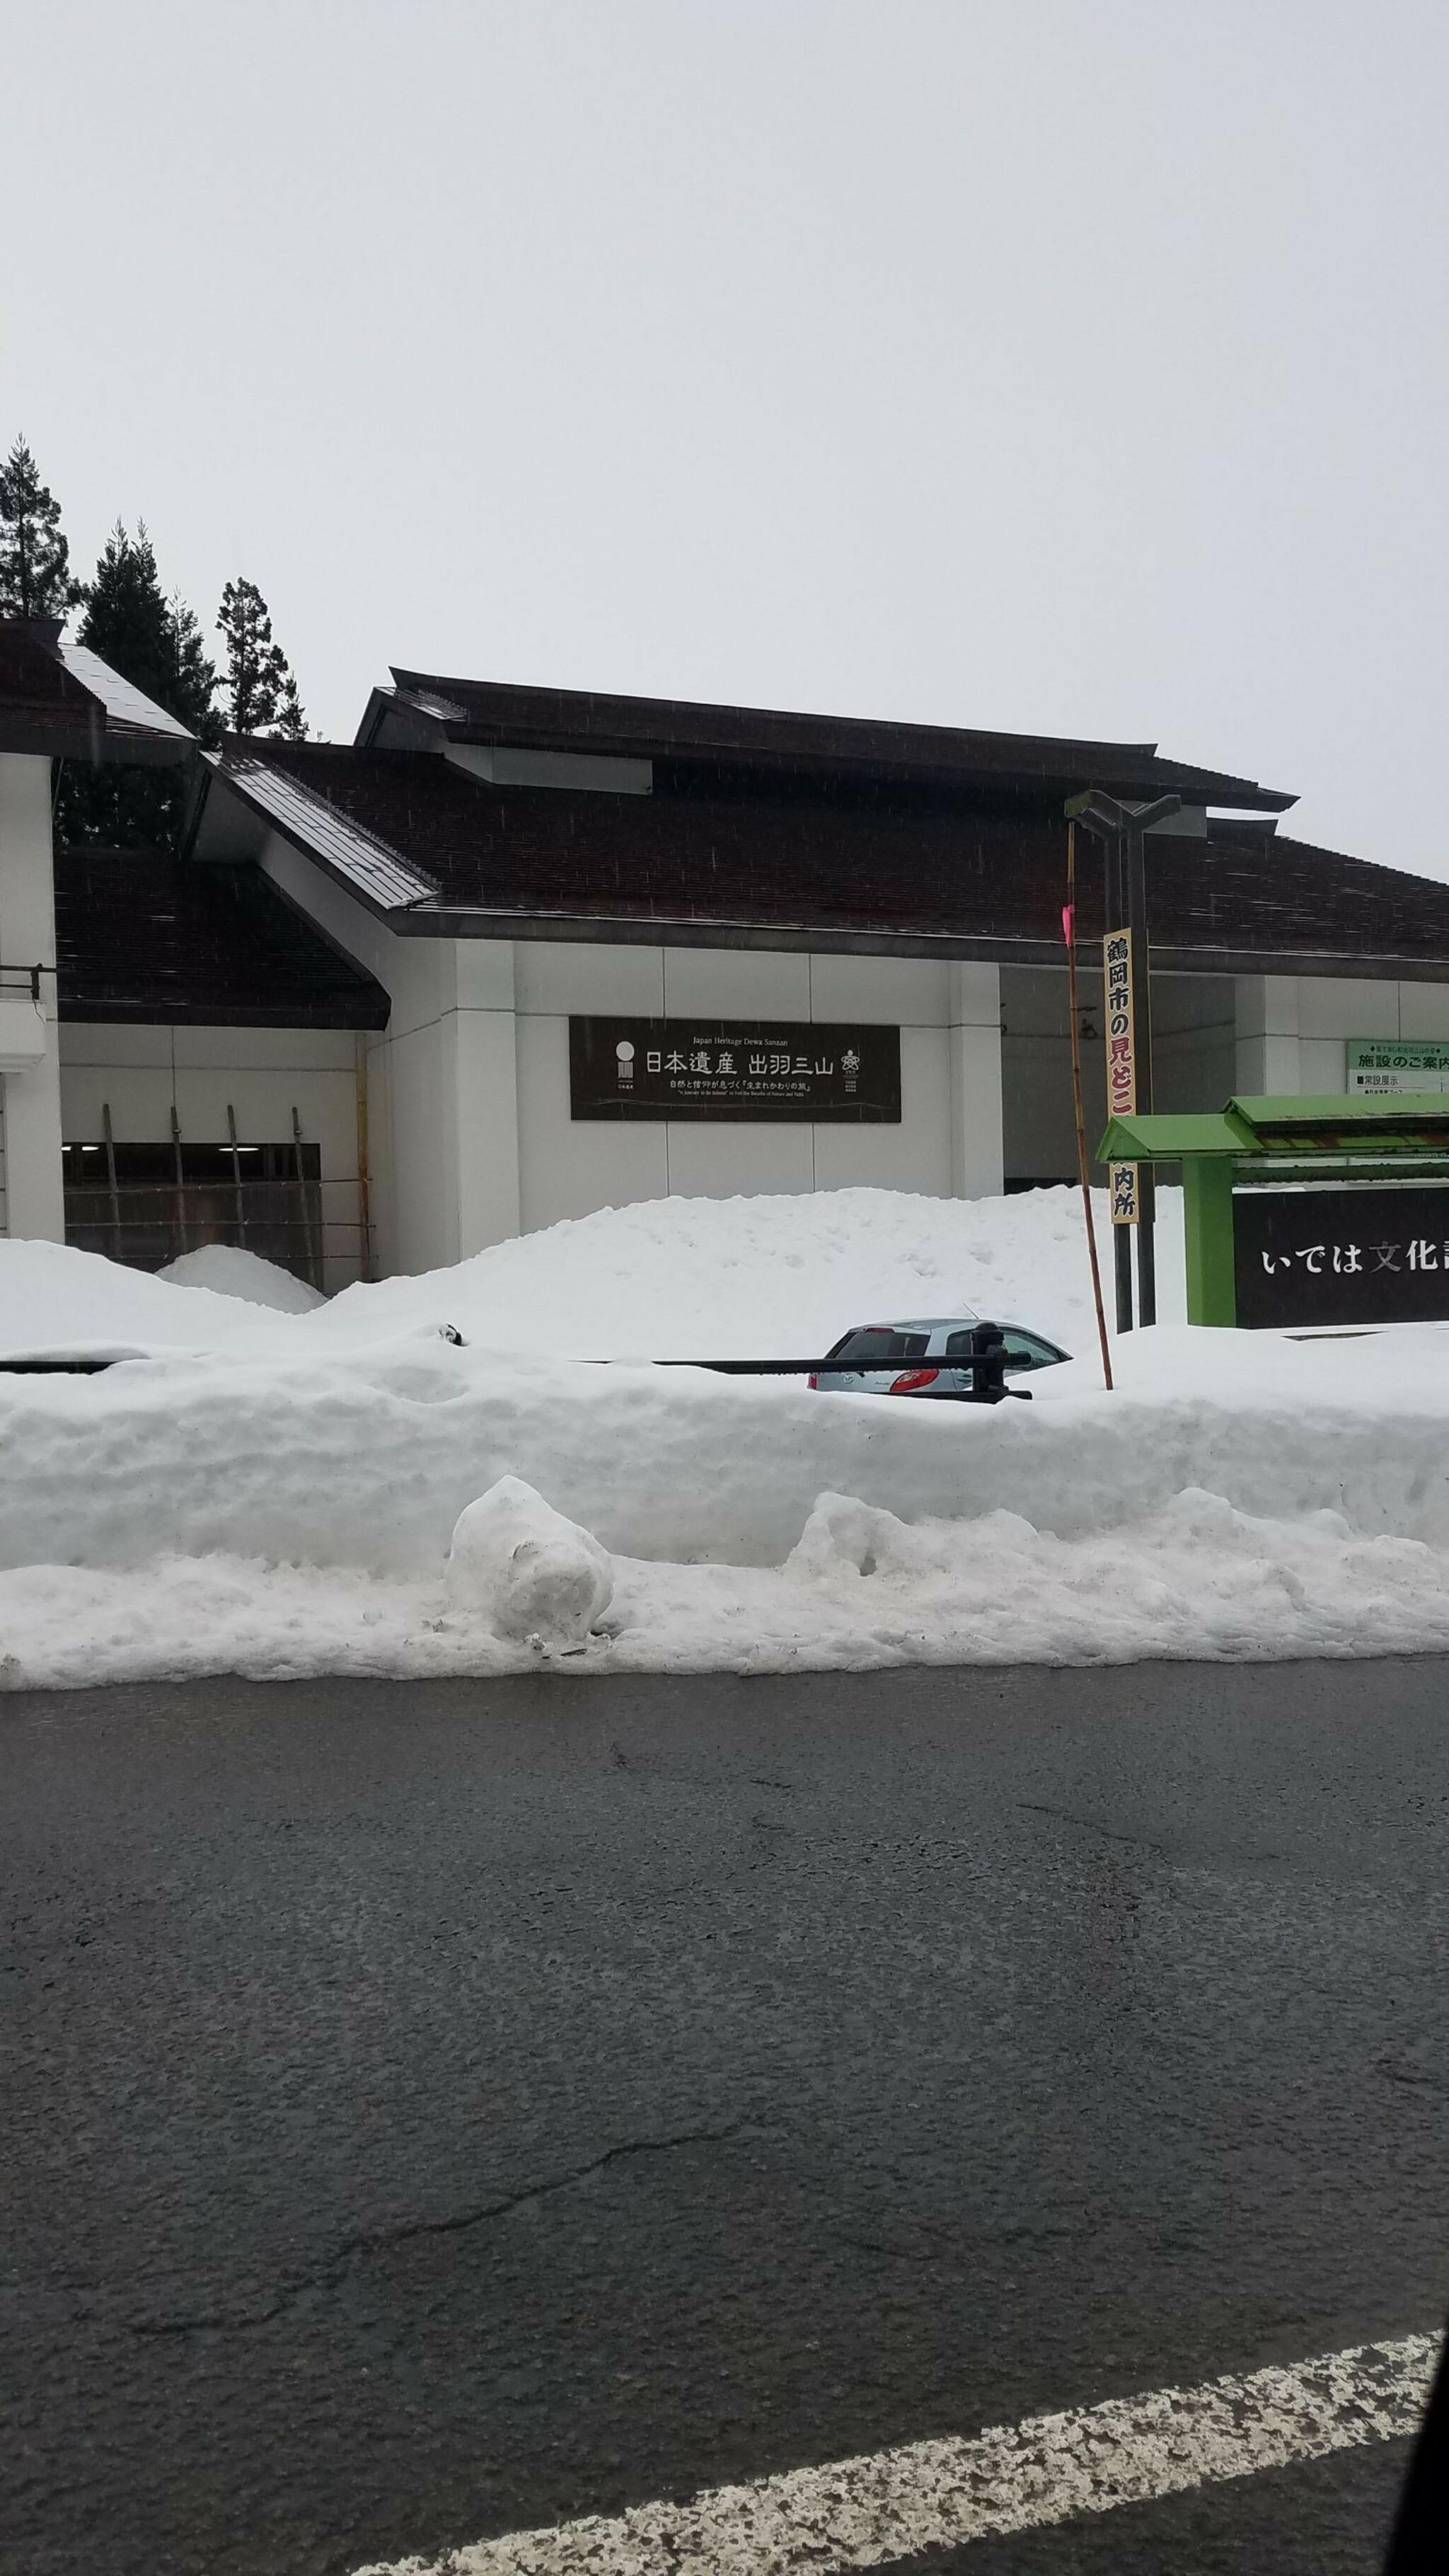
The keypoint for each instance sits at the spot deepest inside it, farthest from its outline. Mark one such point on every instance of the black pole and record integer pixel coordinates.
(1136, 840)
(1116, 915)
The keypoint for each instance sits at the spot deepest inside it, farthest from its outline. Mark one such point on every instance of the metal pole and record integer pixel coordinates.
(311, 1237)
(111, 1178)
(1069, 926)
(236, 1178)
(1121, 1234)
(182, 1228)
(1136, 890)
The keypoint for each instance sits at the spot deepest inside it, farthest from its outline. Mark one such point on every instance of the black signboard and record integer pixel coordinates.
(1358, 1255)
(802, 1069)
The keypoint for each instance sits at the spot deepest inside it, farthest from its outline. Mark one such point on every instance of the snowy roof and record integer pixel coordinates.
(127, 710)
(60, 701)
(346, 846)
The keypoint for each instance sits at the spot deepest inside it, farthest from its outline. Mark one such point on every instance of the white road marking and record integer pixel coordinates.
(891, 2504)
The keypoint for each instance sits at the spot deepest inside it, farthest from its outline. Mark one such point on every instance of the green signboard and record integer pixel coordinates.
(1343, 1202)
(1383, 1066)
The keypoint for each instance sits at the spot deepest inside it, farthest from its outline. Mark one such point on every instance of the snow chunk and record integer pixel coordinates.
(231, 1272)
(530, 1572)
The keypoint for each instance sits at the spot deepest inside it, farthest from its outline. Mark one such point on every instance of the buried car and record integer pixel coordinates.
(930, 1356)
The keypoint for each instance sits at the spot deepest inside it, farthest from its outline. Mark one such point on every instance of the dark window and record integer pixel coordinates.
(959, 1346)
(1028, 1351)
(146, 1204)
(878, 1347)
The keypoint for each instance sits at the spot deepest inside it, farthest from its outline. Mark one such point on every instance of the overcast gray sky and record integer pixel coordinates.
(1071, 366)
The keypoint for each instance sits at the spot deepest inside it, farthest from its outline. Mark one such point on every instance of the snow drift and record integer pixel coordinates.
(278, 1492)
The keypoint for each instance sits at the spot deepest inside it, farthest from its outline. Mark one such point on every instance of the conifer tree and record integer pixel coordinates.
(261, 692)
(35, 574)
(156, 644)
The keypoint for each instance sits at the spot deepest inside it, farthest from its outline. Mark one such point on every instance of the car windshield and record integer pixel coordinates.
(880, 1346)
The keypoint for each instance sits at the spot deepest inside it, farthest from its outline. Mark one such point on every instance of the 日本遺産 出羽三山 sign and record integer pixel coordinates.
(1388, 1065)
(803, 1069)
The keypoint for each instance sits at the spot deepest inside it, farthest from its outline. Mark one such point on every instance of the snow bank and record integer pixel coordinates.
(762, 1278)
(274, 1493)
(755, 1278)
(55, 1298)
(235, 1273)
(531, 1575)
(862, 1592)
(367, 1458)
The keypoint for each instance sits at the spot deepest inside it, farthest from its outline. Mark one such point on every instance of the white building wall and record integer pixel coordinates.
(1292, 1030)
(143, 1074)
(948, 1139)
(34, 1199)
(470, 1131)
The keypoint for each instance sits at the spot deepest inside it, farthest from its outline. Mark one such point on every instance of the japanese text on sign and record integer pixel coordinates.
(1121, 1067)
(1359, 1254)
(1122, 1195)
(646, 1068)
(1389, 1065)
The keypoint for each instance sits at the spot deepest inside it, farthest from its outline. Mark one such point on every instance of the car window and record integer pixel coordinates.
(877, 1346)
(960, 1346)
(1026, 1351)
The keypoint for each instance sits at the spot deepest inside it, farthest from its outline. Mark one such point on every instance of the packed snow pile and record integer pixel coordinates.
(53, 1297)
(764, 1278)
(532, 1576)
(751, 1278)
(233, 1272)
(275, 1493)
(863, 1591)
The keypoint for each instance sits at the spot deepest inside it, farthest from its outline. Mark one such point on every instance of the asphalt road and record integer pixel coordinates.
(435, 2110)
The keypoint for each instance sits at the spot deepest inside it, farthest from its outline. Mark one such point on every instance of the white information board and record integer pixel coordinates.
(1387, 1065)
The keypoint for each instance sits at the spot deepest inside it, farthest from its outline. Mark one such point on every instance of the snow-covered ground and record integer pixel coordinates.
(756, 1278)
(274, 1492)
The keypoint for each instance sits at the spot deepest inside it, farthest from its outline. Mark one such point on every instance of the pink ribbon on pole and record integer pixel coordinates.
(1068, 924)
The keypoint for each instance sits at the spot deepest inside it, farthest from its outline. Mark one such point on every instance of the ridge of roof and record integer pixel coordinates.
(606, 721)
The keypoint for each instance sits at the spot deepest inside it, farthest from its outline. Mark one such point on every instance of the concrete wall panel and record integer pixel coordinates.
(754, 983)
(726, 1162)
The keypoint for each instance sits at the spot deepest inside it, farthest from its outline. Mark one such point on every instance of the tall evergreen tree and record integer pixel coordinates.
(156, 644)
(35, 574)
(261, 692)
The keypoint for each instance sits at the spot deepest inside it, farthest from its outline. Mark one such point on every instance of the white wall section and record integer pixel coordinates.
(34, 1196)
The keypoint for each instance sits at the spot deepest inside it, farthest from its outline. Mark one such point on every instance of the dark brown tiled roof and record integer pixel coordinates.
(142, 937)
(910, 870)
(42, 709)
(488, 711)
(85, 712)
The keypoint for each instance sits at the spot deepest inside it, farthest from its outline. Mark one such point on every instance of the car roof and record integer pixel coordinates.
(964, 1316)
(919, 1323)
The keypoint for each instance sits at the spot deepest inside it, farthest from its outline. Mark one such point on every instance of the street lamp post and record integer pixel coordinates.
(1124, 829)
